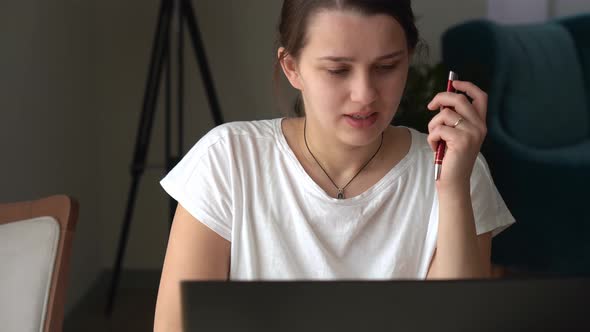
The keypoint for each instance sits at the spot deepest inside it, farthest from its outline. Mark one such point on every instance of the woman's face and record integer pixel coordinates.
(353, 64)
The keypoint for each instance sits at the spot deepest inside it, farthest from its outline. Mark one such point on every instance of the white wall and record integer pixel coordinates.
(48, 133)
(521, 11)
(530, 11)
(570, 7)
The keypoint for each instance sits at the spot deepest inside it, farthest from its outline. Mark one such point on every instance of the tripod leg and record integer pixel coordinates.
(167, 124)
(122, 245)
(180, 82)
(202, 60)
(172, 161)
(159, 52)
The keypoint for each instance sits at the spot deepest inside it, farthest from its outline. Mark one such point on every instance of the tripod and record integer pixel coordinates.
(160, 60)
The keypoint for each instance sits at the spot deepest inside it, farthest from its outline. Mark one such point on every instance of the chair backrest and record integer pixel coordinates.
(35, 246)
(544, 100)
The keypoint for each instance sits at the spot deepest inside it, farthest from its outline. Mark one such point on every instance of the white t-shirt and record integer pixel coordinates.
(244, 182)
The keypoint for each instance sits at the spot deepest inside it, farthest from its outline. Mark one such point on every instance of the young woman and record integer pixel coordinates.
(337, 192)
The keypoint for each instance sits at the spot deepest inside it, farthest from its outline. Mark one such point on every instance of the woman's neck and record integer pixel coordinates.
(341, 161)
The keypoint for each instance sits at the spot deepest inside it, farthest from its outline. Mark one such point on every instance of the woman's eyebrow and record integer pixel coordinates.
(349, 59)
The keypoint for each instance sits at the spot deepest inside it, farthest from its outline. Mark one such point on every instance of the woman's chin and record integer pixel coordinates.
(360, 139)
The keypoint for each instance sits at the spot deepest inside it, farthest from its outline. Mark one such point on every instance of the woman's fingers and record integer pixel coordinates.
(449, 118)
(458, 102)
(479, 97)
(446, 117)
(463, 138)
(456, 139)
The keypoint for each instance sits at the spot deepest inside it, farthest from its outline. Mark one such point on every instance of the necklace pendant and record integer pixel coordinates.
(340, 194)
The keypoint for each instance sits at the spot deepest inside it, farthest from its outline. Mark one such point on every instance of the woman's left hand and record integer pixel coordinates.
(464, 141)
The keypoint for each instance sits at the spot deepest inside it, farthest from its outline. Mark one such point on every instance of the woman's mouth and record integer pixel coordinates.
(359, 120)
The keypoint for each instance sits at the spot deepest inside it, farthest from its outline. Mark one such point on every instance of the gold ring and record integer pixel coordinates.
(458, 122)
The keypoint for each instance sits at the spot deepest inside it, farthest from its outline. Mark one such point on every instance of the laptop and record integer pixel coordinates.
(548, 304)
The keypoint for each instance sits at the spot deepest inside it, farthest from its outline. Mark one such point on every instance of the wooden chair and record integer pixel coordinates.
(35, 248)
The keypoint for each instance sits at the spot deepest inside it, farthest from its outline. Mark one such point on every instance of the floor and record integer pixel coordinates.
(133, 308)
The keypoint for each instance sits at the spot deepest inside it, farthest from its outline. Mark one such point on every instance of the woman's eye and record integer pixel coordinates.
(344, 71)
(386, 67)
(338, 71)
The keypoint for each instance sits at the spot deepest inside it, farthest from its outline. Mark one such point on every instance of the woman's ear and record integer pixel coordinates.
(290, 68)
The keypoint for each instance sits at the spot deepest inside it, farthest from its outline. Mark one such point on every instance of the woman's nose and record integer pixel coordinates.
(363, 90)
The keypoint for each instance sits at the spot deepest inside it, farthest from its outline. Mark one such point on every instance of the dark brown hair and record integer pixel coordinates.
(295, 15)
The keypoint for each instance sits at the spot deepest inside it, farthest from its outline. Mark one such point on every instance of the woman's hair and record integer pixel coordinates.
(295, 16)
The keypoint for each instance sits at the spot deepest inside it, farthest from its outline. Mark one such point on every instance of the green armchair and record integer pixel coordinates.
(537, 77)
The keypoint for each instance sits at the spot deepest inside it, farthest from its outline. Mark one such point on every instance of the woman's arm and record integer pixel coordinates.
(194, 252)
(462, 125)
(460, 252)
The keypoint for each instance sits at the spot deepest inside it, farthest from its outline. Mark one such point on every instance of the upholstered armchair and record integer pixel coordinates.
(537, 77)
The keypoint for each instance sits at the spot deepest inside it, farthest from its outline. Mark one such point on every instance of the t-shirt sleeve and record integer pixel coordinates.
(201, 183)
(489, 209)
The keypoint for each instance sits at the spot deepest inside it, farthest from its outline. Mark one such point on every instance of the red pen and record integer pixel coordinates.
(442, 145)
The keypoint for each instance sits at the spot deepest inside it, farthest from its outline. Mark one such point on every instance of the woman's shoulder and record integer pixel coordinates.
(241, 131)
(261, 128)
(236, 135)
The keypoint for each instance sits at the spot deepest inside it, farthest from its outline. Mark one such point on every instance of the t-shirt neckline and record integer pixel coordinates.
(394, 173)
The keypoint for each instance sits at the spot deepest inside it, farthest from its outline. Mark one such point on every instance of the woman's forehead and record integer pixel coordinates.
(347, 34)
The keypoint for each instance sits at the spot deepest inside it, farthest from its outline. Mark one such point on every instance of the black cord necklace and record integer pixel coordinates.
(340, 190)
